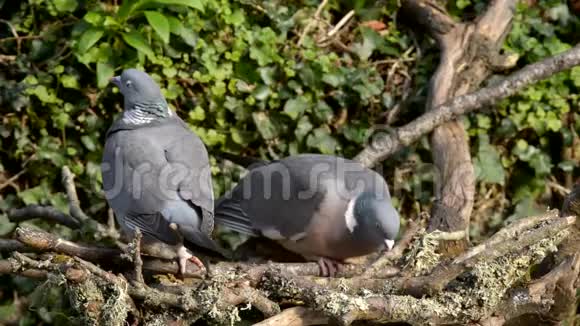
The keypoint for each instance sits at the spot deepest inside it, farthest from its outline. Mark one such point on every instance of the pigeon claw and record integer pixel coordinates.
(197, 262)
(183, 256)
(328, 267)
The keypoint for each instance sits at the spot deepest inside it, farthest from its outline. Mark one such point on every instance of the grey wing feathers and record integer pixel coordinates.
(274, 202)
(152, 225)
(190, 152)
(230, 214)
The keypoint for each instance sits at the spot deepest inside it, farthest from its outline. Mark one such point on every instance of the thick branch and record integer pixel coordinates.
(38, 240)
(12, 267)
(513, 239)
(10, 245)
(444, 273)
(295, 316)
(539, 296)
(44, 241)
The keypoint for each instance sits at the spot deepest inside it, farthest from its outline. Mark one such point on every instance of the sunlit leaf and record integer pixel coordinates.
(89, 38)
(159, 23)
(137, 41)
(295, 107)
(104, 73)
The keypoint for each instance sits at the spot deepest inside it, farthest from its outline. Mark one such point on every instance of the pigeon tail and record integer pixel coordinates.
(229, 214)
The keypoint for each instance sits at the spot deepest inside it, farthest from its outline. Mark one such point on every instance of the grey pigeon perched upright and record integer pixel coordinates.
(325, 208)
(156, 172)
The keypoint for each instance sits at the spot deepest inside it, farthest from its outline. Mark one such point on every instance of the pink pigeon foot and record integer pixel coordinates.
(183, 256)
(328, 267)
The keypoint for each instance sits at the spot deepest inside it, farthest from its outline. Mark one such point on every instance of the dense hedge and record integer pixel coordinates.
(248, 80)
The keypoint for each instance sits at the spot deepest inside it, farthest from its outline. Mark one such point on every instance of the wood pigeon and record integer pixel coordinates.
(156, 172)
(325, 208)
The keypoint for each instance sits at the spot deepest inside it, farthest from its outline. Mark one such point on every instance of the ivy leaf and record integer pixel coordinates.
(35, 195)
(5, 227)
(65, 5)
(69, 81)
(89, 38)
(488, 165)
(575, 76)
(137, 41)
(371, 40)
(268, 127)
(303, 128)
(89, 142)
(322, 140)
(334, 79)
(104, 73)
(541, 163)
(525, 207)
(295, 107)
(159, 23)
(242, 137)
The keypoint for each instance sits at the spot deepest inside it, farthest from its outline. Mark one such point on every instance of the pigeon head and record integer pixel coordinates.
(143, 98)
(376, 218)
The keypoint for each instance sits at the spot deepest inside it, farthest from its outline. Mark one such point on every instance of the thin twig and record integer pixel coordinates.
(12, 179)
(311, 22)
(137, 261)
(13, 31)
(558, 187)
(340, 24)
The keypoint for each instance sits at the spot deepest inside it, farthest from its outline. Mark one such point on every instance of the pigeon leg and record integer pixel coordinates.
(184, 255)
(328, 267)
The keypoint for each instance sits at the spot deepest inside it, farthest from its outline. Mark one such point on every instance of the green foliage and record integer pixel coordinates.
(533, 130)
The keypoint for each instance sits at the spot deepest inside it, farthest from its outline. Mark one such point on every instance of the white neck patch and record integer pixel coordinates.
(137, 117)
(349, 217)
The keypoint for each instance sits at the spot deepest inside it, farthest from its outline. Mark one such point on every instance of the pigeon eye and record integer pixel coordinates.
(128, 83)
(378, 226)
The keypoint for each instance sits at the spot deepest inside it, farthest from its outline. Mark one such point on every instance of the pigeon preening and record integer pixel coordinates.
(156, 172)
(325, 208)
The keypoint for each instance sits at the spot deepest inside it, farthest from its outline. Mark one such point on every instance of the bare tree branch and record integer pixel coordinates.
(295, 316)
(406, 135)
(71, 192)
